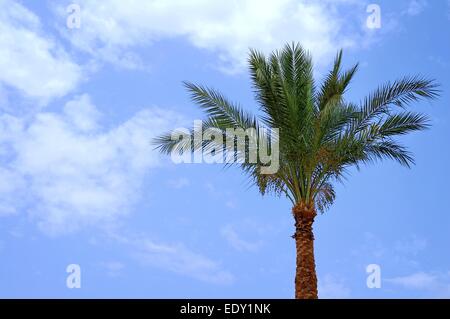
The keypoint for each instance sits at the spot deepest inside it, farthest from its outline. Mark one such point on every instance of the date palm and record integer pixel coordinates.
(321, 134)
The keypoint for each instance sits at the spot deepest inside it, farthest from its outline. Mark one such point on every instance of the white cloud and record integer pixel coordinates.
(110, 29)
(176, 258)
(332, 288)
(74, 172)
(30, 61)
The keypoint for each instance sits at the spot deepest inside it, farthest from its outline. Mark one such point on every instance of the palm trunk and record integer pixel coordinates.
(305, 276)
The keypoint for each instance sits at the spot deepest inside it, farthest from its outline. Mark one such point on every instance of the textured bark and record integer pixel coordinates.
(305, 277)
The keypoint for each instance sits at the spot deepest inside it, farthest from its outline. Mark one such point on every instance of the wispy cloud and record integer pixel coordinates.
(111, 31)
(417, 279)
(179, 183)
(237, 242)
(448, 14)
(435, 285)
(112, 268)
(403, 251)
(411, 246)
(175, 257)
(31, 62)
(420, 280)
(441, 62)
(68, 171)
(331, 287)
(416, 7)
(224, 195)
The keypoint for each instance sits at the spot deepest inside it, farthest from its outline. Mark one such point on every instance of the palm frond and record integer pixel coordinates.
(400, 93)
(321, 135)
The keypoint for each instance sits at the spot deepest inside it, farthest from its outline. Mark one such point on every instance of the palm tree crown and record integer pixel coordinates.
(321, 134)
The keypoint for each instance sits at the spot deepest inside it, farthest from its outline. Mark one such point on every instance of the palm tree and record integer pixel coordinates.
(321, 134)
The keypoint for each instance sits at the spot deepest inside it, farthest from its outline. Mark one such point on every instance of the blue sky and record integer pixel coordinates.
(80, 183)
